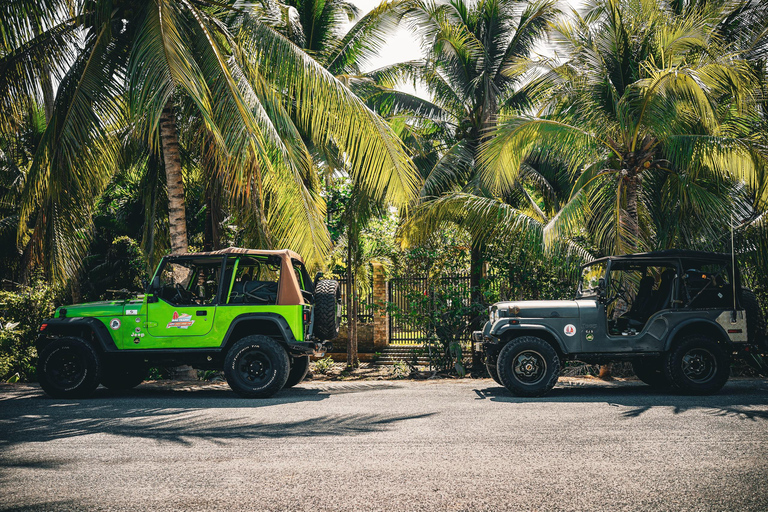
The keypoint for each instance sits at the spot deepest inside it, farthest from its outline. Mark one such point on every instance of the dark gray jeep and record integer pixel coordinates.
(677, 316)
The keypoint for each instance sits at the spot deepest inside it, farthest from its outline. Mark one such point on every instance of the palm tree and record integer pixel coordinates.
(472, 48)
(141, 62)
(649, 112)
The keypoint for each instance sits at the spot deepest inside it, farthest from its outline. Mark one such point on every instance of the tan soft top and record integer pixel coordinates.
(288, 289)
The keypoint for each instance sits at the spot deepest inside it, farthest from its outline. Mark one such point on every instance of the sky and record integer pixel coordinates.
(403, 46)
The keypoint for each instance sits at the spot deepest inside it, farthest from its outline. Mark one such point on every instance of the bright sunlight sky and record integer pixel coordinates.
(403, 46)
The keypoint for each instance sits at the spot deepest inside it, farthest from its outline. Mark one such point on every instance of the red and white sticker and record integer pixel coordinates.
(569, 330)
(114, 324)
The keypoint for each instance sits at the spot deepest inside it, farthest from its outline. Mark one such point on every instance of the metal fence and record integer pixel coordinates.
(365, 302)
(407, 293)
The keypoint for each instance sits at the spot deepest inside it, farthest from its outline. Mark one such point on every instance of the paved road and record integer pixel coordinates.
(435, 445)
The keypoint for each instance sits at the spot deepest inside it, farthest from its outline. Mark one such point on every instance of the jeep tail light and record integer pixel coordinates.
(43, 326)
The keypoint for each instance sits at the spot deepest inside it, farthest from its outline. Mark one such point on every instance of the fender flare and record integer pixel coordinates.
(278, 320)
(702, 321)
(68, 326)
(531, 327)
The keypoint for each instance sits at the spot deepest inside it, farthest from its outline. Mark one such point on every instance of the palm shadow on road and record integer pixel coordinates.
(744, 402)
(177, 416)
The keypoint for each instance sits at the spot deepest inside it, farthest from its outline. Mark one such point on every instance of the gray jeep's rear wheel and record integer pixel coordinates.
(299, 369)
(327, 296)
(69, 368)
(651, 372)
(528, 366)
(698, 365)
(256, 367)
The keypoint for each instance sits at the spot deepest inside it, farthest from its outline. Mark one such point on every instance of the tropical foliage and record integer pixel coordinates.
(536, 138)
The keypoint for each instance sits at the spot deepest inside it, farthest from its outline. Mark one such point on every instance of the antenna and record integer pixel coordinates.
(733, 272)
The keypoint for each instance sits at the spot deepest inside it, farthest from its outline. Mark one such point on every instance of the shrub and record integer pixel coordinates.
(324, 365)
(21, 313)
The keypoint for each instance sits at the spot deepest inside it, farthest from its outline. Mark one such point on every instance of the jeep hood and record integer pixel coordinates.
(539, 309)
(90, 309)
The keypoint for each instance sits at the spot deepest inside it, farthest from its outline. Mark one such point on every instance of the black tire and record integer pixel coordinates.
(698, 365)
(69, 368)
(491, 369)
(528, 366)
(327, 297)
(299, 369)
(651, 372)
(256, 367)
(121, 376)
(756, 330)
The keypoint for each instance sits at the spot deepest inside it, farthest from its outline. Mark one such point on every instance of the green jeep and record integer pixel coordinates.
(255, 314)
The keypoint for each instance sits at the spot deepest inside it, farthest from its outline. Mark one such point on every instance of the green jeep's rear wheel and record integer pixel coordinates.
(256, 367)
(69, 368)
(299, 369)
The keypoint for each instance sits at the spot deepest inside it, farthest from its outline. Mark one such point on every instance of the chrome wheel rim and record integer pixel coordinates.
(529, 367)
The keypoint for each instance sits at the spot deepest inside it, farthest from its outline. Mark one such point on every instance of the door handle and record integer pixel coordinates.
(202, 313)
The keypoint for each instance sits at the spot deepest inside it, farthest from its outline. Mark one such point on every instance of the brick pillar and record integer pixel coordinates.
(380, 316)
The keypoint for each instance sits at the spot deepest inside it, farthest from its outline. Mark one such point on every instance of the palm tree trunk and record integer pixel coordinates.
(629, 219)
(177, 219)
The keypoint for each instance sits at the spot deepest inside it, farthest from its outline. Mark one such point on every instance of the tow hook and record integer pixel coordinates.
(322, 348)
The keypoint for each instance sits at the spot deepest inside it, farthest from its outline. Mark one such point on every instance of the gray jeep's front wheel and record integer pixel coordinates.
(327, 297)
(69, 368)
(698, 365)
(528, 366)
(256, 367)
(491, 369)
(299, 370)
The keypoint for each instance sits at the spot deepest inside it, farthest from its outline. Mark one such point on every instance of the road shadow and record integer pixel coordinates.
(747, 402)
(176, 415)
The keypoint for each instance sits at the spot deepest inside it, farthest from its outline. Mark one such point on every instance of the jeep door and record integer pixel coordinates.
(186, 292)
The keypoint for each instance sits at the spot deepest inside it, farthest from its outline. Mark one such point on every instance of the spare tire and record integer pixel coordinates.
(327, 299)
(755, 320)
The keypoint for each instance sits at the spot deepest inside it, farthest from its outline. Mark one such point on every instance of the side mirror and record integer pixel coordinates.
(601, 283)
(144, 284)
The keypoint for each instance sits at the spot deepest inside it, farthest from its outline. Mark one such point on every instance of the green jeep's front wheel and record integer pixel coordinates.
(256, 367)
(69, 368)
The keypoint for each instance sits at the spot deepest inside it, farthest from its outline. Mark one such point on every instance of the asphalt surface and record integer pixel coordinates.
(384, 445)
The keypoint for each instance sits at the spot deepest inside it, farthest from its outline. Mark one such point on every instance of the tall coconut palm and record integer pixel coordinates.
(650, 113)
(140, 62)
(470, 49)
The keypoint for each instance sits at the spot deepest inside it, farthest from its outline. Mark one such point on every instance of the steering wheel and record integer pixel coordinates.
(183, 295)
(619, 293)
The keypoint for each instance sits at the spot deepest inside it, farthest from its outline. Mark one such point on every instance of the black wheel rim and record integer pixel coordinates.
(529, 367)
(254, 368)
(66, 368)
(699, 365)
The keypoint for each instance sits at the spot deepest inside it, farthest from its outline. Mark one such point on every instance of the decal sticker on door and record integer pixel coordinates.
(569, 330)
(180, 321)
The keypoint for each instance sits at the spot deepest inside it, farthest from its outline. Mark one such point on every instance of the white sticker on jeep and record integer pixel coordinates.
(131, 311)
(182, 321)
(569, 330)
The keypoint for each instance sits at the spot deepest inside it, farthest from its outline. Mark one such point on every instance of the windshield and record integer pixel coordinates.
(590, 279)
